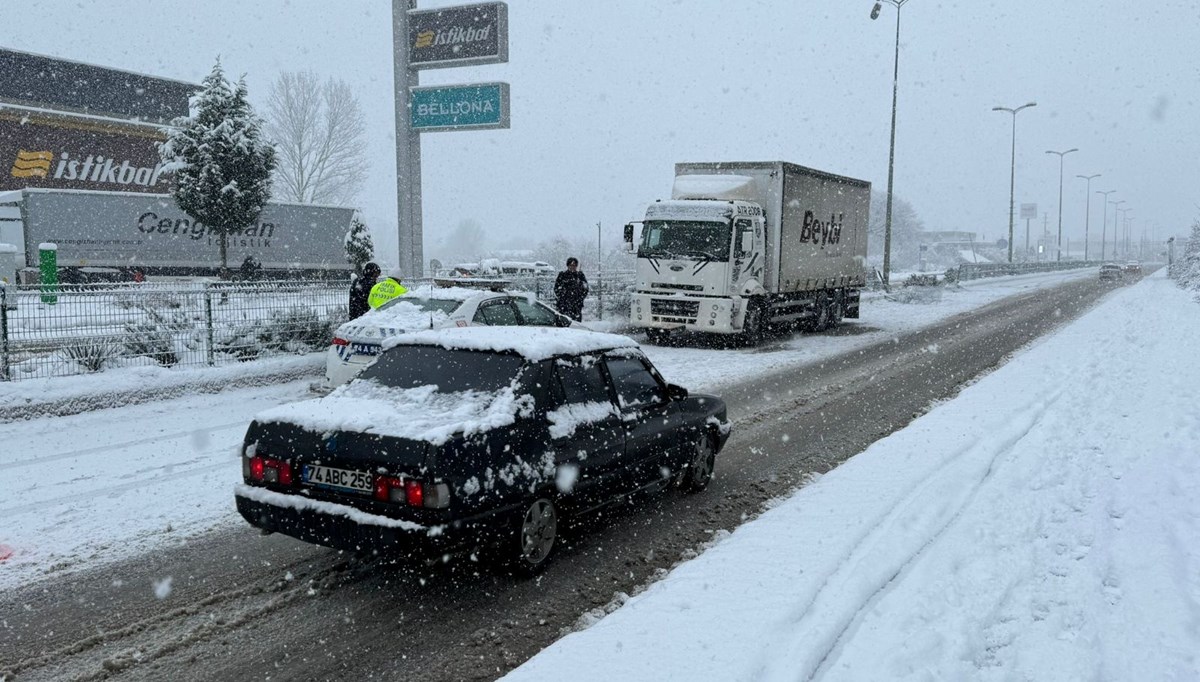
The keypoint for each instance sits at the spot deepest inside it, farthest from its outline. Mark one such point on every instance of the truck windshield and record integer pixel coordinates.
(702, 240)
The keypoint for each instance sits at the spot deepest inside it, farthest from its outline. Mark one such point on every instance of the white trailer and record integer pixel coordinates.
(741, 246)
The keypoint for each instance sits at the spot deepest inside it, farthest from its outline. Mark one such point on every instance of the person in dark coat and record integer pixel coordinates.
(361, 290)
(570, 288)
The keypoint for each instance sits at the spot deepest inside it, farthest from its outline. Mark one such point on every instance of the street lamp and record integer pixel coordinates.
(887, 221)
(1087, 220)
(1012, 180)
(1125, 220)
(1104, 231)
(1116, 224)
(1060, 174)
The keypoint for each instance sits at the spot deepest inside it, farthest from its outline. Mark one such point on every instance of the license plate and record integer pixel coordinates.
(345, 479)
(364, 348)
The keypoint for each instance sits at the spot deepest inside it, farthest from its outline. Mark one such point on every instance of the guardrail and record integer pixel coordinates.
(969, 271)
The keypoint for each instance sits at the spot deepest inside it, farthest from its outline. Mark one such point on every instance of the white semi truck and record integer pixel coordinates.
(743, 246)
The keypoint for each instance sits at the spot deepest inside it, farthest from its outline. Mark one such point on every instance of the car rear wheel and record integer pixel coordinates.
(702, 459)
(537, 534)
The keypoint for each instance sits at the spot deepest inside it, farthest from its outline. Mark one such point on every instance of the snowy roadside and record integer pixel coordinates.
(107, 464)
(1041, 525)
(60, 396)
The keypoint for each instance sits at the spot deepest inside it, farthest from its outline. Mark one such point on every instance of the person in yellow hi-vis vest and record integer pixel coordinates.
(386, 289)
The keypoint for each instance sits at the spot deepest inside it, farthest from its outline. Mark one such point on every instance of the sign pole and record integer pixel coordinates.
(411, 255)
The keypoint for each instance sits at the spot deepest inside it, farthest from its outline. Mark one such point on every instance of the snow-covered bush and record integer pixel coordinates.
(151, 340)
(91, 354)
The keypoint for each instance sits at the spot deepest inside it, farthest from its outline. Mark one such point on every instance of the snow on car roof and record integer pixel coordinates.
(420, 413)
(444, 293)
(532, 343)
(397, 318)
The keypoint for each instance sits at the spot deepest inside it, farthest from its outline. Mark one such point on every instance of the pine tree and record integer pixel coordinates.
(360, 250)
(222, 164)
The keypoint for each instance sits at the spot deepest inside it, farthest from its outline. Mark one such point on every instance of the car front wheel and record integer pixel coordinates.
(702, 458)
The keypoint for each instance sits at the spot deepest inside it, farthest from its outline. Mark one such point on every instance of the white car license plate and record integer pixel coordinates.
(365, 348)
(328, 477)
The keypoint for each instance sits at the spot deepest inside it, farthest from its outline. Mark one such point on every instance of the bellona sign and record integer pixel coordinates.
(479, 106)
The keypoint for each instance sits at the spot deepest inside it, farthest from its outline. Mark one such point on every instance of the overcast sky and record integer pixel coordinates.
(607, 96)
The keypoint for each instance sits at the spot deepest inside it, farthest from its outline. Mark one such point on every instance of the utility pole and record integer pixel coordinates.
(887, 221)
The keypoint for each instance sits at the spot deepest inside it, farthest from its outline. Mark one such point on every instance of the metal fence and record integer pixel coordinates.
(609, 297)
(74, 329)
(80, 328)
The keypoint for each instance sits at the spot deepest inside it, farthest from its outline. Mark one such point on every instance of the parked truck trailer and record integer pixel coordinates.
(742, 246)
(129, 231)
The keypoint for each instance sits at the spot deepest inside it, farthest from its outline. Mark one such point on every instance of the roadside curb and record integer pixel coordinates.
(98, 401)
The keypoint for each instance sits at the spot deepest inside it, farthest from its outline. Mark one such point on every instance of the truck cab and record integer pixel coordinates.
(697, 260)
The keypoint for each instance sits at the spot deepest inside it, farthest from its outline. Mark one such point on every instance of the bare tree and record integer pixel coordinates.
(318, 129)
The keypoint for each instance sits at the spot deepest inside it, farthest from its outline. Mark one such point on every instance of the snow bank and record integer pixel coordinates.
(1042, 525)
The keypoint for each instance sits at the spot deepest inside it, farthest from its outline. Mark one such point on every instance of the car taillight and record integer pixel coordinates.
(412, 492)
(339, 341)
(268, 470)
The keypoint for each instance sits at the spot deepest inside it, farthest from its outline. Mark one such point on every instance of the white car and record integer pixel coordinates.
(357, 343)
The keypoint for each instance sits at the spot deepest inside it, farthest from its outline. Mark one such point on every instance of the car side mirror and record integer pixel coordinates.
(629, 237)
(562, 321)
(676, 392)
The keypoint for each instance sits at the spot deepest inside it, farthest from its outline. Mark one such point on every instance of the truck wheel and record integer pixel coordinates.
(754, 328)
(837, 312)
(820, 322)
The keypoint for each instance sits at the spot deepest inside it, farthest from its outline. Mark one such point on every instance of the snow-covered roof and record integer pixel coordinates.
(420, 413)
(399, 317)
(532, 343)
(443, 293)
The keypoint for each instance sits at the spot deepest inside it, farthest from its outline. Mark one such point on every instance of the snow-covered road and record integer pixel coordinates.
(90, 488)
(1041, 525)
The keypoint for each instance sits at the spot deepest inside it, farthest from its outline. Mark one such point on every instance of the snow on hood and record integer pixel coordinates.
(420, 413)
(532, 343)
(398, 318)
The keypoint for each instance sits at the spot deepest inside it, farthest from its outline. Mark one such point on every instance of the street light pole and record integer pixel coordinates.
(887, 221)
(1104, 231)
(1116, 224)
(1058, 246)
(1087, 220)
(1012, 179)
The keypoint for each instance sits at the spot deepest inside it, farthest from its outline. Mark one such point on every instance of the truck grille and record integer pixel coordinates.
(681, 287)
(674, 308)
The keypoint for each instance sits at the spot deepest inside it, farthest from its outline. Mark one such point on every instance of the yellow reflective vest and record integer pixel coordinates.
(385, 291)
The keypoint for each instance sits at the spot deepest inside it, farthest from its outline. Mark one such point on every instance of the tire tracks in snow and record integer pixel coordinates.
(873, 567)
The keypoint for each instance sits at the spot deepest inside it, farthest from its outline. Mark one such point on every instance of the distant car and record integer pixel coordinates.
(1133, 269)
(1111, 272)
(476, 438)
(357, 343)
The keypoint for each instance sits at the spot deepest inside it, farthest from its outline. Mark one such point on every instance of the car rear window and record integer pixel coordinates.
(450, 370)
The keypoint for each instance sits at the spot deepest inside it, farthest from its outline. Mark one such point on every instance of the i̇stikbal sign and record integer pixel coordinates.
(458, 36)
